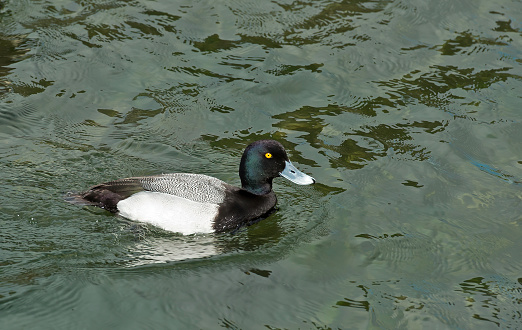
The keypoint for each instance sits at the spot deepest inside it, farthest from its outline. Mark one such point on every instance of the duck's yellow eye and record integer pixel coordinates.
(268, 155)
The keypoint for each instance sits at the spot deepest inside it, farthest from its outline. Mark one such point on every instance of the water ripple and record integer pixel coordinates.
(20, 121)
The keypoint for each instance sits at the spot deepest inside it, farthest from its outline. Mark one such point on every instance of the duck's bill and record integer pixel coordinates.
(293, 174)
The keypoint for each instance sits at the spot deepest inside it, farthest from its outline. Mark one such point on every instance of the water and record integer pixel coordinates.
(407, 113)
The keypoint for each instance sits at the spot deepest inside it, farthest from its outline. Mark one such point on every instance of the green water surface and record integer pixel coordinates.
(407, 113)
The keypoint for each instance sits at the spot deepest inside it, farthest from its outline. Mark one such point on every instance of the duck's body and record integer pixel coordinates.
(196, 203)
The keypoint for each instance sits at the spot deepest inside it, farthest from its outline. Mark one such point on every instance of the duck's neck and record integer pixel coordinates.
(253, 180)
(257, 188)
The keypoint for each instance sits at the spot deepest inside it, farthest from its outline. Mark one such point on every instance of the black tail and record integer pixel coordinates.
(102, 198)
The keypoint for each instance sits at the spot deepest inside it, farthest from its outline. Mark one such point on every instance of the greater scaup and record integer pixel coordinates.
(196, 203)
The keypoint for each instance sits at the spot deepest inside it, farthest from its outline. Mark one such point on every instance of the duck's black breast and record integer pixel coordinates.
(241, 207)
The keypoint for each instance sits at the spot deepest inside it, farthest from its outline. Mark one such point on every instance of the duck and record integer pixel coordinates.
(190, 203)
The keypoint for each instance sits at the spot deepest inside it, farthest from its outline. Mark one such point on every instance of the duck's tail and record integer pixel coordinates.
(92, 198)
(77, 199)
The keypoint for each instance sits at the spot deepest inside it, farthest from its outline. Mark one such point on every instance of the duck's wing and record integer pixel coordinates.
(195, 187)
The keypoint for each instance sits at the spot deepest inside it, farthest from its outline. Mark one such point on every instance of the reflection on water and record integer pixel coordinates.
(406, 112)
(171, 250)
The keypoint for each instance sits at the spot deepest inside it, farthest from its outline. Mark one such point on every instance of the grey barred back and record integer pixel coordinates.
(195, 187)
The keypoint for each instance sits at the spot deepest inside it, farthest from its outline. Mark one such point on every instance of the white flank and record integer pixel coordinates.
(169, 212)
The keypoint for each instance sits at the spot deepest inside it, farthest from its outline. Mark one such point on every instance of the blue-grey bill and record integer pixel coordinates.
(293, 174)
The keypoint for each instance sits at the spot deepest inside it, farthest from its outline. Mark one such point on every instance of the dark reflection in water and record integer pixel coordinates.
(464, 41)
(433, 88)
(12, 50)
(483, 295)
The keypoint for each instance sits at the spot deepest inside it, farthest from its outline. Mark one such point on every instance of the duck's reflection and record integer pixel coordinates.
(153, 245)
(168, 249)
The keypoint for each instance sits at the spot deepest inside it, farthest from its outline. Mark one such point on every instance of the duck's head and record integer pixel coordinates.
(265, 160)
